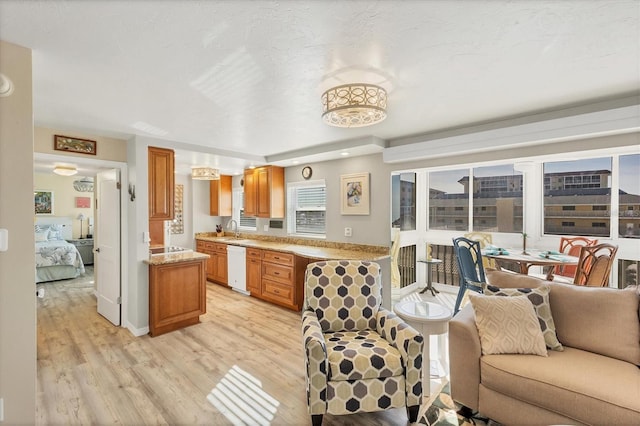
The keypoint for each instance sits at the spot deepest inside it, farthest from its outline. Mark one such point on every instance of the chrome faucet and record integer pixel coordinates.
(229, 225)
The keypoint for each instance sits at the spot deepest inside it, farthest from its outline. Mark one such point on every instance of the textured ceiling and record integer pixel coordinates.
(246, 76)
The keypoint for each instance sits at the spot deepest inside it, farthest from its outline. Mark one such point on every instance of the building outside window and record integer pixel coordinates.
(629, 208)
(403, 201)
(571, 190)
(496, 193)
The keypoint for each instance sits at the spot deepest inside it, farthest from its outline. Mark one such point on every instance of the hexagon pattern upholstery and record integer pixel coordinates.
(360, 357)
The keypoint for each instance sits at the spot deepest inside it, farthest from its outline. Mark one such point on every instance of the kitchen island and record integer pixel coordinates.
(177, 290)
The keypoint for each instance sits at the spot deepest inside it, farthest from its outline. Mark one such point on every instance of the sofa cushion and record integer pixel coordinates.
(507, 325)
(504, 279)
(596, 319)
(588, 387)
(539, 297)
(356, 355)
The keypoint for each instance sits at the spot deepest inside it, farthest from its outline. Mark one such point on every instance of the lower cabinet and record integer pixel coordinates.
(217, 262)
(177, 295)
(282, 280)
(254, 271)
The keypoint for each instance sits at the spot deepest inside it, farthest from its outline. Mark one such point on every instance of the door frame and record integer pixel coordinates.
(124, 197)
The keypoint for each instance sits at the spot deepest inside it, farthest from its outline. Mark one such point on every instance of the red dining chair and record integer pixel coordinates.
(572, 247)
(594, 266)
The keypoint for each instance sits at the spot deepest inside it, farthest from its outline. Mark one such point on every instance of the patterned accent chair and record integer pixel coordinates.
(359, 356)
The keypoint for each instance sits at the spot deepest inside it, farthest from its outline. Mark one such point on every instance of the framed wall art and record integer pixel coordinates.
(354, 194)
(83, 202)
(43, 202)
(69, 144)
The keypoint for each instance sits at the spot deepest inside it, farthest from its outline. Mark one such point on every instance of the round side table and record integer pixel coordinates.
(430, 319)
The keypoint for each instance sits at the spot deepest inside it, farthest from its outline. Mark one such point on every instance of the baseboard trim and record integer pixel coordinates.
(137, 331)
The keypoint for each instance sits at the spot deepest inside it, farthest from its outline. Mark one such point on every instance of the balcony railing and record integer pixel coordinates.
(577, 213)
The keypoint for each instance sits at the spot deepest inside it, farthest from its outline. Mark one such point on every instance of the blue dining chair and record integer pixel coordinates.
(470, 267)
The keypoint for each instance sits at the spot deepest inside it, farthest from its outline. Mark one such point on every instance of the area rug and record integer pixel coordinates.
(442, 412)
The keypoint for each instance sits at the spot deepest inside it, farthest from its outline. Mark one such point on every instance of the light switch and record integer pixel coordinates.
(4, 239)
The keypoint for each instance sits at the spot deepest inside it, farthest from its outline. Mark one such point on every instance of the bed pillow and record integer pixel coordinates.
(42, 236)
(507, 325)
(539, 297)
(55, 233)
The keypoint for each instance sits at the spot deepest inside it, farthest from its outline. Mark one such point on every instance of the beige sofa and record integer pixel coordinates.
(595, 380)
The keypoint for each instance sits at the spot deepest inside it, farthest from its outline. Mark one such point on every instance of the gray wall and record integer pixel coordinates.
(17, 295)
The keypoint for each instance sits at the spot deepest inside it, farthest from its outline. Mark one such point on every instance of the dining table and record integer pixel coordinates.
(530, 258)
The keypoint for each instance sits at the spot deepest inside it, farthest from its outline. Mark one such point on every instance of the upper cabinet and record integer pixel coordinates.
(264, 192)
(220, 196)
(161, 183)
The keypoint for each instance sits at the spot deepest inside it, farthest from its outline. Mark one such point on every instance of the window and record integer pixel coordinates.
(306, 205)
(497, 199)
(573, 189)
(449, 200)
(244, 222)
(629, 204)
(403, 201)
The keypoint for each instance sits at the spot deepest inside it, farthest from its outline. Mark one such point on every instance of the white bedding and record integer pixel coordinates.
(58, 252)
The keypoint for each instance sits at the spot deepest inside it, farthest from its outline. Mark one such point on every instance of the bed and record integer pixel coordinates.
(56, 259)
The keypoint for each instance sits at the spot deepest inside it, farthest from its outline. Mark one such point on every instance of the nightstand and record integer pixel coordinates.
(85, 247)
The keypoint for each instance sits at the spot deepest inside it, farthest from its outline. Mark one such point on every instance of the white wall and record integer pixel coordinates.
(17, 265)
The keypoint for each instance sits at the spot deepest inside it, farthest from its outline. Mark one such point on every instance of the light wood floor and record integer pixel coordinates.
(243, 364)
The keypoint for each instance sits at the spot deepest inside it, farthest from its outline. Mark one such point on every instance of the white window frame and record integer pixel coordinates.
(238, 205)
(292, 187)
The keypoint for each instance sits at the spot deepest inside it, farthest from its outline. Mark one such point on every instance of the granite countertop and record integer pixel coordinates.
(163, 259)
(328, 251)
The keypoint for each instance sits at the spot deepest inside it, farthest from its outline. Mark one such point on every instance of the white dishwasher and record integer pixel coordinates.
(237, 268)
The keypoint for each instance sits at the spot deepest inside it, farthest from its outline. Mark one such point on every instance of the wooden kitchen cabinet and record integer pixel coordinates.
(254, 271)
(283, 279)
(177, 295)
(216, 266)
(220, 195)
(220, 272)
(264, 192)
(161, 183)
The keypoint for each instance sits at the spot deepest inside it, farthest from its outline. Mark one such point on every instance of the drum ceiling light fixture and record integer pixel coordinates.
(354, 105)
(205, 173)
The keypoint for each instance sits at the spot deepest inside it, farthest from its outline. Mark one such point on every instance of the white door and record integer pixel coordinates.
(107, 250)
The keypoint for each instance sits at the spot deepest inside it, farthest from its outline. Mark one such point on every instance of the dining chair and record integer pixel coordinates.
(470, 267)
(594, 265)
(571, 246)
(485, 239)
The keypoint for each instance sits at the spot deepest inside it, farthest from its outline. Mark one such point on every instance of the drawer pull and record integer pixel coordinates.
(276, 273)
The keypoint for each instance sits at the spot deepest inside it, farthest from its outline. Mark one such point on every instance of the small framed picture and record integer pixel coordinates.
(354, 194)
(43, 202)
(69, 144)
(83, 202)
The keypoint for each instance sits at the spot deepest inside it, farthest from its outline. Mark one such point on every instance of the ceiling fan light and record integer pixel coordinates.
(65, 170)
(205, 173)
(354, 105)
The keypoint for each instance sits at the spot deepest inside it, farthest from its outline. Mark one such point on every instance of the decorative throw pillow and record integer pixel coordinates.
(539, 297)
(507, 325)
(42, 236)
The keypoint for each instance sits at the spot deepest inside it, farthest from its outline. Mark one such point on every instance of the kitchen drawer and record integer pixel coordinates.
(277, 292)
(220, 248)
(278, 257)
(201, 246)
(209, 246)
(254, 253)
(277, 272)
